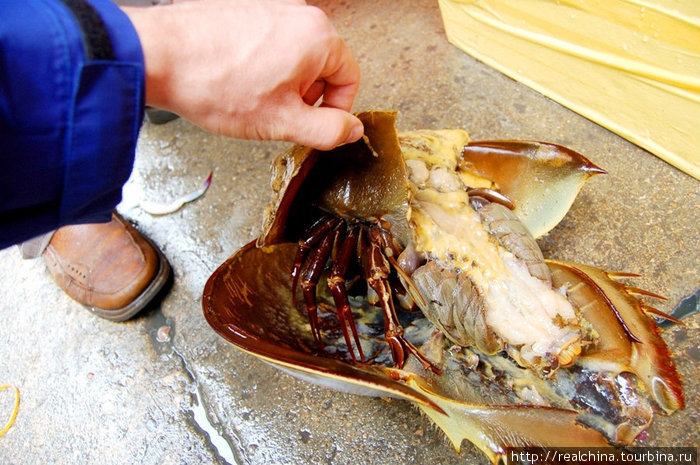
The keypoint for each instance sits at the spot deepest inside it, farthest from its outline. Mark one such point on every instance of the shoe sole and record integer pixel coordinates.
(138, 304)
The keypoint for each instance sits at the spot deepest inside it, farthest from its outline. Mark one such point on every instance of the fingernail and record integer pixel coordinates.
(355, 133)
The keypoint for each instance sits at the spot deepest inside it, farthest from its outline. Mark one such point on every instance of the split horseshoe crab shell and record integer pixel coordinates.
(601, 387)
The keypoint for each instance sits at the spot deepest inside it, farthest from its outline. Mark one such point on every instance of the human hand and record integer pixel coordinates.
(251, 69)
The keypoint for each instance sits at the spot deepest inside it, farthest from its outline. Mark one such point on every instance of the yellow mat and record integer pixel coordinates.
(632, 66)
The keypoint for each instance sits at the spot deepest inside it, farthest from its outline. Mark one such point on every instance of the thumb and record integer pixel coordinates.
(322, 128)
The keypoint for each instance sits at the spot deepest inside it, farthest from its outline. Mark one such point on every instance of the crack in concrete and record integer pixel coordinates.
(220, 444)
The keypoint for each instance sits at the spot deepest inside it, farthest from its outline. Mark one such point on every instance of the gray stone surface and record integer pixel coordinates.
(99, 392)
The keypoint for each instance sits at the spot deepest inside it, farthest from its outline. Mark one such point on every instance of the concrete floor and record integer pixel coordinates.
(99, 392)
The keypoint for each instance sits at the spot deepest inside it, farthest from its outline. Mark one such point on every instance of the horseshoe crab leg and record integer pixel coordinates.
(312, 237)
(309, 280)
(336, 283)
(377, 270)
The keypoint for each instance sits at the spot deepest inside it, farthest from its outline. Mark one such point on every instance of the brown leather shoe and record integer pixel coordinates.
(111, 268)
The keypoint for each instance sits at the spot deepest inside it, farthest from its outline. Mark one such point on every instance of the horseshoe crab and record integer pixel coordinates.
(507, 350)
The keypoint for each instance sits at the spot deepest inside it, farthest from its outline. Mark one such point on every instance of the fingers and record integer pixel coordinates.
(315, 92)
(323, 128)
(342, 77)
(340, 97)
(331, 124)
